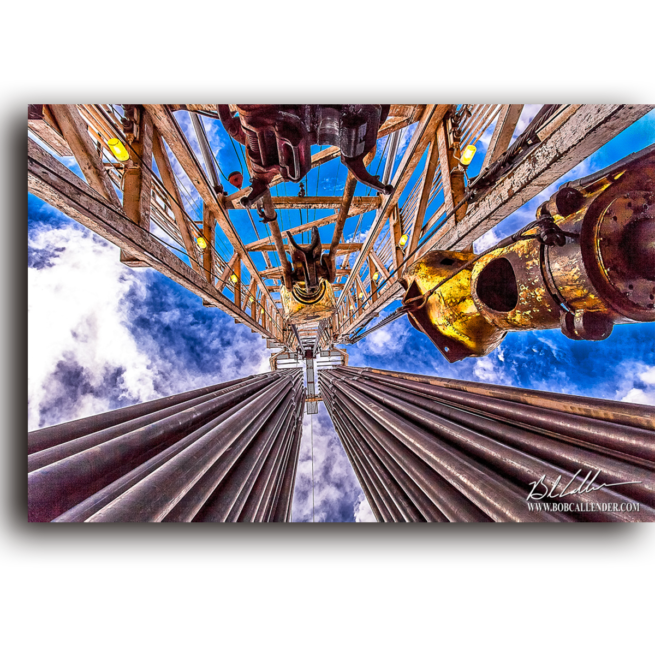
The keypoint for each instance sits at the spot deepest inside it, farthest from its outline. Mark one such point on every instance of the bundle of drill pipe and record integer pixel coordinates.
(223, 453)
(442, 450)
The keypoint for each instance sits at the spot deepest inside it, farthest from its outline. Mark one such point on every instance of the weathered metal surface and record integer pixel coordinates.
(278, 139)
(473, 457)
(450, 317)
(145, 464)
(584, 266)
(301, 307)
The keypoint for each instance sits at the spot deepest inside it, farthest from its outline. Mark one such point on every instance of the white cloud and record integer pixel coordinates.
(85, 355)
(363, 511)
(76, 314)
(644, 394)
(387, 340)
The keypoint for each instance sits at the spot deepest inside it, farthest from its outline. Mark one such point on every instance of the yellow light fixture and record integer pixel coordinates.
(234, 278)
(467, 155)
(118, 149)
(361, 295)
(250, 299)
(376, 275)
(403, 240)
(262, 311)
(202, 242)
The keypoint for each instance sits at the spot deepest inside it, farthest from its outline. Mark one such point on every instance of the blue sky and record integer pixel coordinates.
(102, 336)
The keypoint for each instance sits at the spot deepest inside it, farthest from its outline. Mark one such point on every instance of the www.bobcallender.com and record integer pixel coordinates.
(583, 507)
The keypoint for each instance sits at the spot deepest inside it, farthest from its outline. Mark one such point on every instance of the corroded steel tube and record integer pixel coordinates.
(632, 441)
(500, 499)
(569, 457)
(58, 434)
(175, 459)
(511, 462)
(449, 501)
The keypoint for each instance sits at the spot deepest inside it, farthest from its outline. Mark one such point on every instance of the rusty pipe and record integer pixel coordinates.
(569, 457)
(271, 218)
(446, 498)
(500, 499)
(590, 432)
(56, 435)
(55, 488)
(510, 461)
(195, 498)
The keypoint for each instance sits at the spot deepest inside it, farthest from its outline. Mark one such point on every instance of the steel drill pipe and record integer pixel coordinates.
(569, 457)
(282, 474)
(635, 442)
(195, 498)
(255, 507)
(227, 500)
(434, 497)
(58, 434)
(500, 499)
(639, 416)
(402, 491)
(420, 509)
(378, 507)
(152, 498)
(62, 484)
(67, 449)
(282, 510)
(253, 498)
(100, 499)
(394, 498)
(512, 463)
(142, 474)
(447, 499)
(388, 491)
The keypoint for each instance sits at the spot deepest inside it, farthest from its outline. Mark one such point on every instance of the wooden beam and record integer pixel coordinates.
(306, 227)
(137, 183)
(276, 273)
(177, 142)
(61, 188)
(395, 232)
(227, 271)
(422, 136)
(76, 133)
(385, 297)
(506, 123)
(431, 162)
(209, 233)
(444, 165)
(168, 180)
(586, 129)
(43, 124)
(341, 247)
